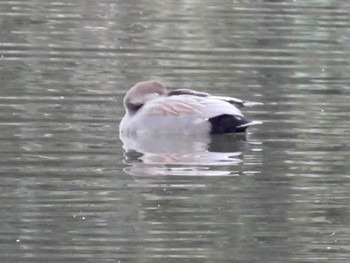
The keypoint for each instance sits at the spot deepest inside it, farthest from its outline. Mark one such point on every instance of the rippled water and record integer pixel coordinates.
(70, 191)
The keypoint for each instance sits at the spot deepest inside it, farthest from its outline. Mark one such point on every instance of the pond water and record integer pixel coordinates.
(71, 192)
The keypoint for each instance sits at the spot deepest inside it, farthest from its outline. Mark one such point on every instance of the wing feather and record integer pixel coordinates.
(203, 107)
(173, 106)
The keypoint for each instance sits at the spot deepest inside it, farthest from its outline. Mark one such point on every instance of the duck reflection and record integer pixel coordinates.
(175, 155)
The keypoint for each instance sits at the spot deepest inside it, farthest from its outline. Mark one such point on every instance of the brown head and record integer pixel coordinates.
(142, 92)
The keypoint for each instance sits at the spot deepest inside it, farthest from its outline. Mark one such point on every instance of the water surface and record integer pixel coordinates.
(70, 191)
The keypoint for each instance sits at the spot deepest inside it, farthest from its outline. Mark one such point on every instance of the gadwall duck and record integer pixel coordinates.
(151, 109)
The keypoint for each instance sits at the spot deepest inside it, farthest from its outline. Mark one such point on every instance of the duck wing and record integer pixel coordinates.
(232, 100)
(202, 107)
(173, 106)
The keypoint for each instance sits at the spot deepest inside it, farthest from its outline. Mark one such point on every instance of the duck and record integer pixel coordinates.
(150, 109)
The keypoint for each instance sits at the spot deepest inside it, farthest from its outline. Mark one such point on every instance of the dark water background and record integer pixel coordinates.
(69, 192)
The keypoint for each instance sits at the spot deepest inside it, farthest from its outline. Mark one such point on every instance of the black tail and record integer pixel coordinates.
(229, 124)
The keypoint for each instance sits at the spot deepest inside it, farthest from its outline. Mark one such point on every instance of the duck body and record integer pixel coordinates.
(152, 110)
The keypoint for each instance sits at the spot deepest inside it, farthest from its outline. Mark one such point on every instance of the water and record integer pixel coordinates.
(70, 192)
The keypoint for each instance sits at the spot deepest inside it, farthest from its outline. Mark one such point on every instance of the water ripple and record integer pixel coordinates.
(70, 191)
